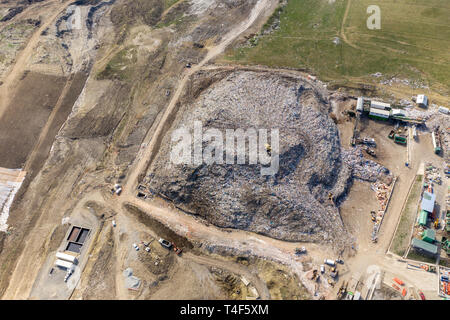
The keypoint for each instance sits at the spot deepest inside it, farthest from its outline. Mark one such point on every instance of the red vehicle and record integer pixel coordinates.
(400, 282)
(421, 295)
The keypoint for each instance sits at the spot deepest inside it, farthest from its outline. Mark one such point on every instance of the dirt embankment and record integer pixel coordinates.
(101, 282)
(159, 228)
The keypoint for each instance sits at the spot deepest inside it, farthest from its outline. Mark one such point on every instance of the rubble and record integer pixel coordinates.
(131, 282)
(362, 168)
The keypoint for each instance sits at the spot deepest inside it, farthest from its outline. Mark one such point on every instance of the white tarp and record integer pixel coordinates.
(10, 182)
(64, 264)
(65, 256)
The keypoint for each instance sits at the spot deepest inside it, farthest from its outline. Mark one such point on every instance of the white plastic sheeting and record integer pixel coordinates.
(10, 182)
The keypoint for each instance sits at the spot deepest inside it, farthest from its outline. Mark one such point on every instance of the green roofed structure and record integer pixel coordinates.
(424, 247)
(429, 235)
(423, 217)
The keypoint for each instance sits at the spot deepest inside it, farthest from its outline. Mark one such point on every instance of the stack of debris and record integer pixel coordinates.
(363, 169)
(131, 282)
(383, 192)
(432, 175)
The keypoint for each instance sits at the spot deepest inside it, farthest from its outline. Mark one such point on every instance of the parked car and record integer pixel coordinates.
(166, 244)
(322, 268)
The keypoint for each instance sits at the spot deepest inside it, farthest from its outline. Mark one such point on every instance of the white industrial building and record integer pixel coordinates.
(359, 104)
(65, 261)
(422, 100)
(379, 113)
(64, 264)
(379, 105)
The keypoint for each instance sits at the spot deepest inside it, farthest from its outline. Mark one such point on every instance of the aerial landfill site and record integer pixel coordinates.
(140, 161)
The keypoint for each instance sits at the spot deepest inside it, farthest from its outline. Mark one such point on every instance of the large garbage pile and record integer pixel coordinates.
(298, 202)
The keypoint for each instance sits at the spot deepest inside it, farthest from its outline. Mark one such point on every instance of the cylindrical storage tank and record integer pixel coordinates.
(66, 257)
(329, 262)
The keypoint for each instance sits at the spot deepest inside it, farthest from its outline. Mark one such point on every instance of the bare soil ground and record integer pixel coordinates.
(28, 113)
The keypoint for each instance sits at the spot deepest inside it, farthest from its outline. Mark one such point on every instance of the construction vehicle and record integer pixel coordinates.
(268, 149)
(342, 291)
(428, 268)
(322, 268)
(370, 151)
(331, 283)
(391, 134)
(299, 251)
(314, 274)
(334, 273)
(330, 197)
(369, 142)
(177, 250)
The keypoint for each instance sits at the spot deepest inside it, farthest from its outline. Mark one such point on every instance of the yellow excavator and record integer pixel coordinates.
(268, 149)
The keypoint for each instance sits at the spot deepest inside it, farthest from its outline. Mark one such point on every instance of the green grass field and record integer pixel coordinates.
(413, 42)
(401, 239)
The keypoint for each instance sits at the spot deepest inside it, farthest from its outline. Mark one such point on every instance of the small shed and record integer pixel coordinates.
(423, 218)
(398, 113)
(428, 200)
(429, 235)
(422, 100)
(424, 247)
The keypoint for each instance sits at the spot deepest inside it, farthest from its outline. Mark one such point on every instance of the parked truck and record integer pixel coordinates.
(400, 138)
(436, 139)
